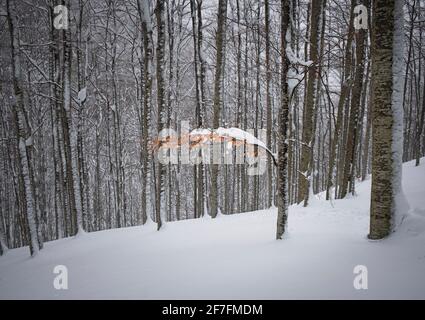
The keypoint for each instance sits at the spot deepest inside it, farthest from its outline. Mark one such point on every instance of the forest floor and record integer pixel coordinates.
(237, 256)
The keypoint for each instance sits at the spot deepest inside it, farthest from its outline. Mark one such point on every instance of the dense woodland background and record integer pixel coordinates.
(80, 108)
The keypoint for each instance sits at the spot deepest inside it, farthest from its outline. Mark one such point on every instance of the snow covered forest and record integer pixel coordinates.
(311, 96)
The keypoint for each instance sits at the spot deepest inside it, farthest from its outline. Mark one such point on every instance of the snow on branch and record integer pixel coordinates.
(202, 136)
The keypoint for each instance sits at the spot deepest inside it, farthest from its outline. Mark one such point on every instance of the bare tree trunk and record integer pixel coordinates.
(3, 247)
(282, 171)
(412, 15)
(198, 205)
(69, 139)
(221, 20)
(201, 168)
(144, 14)
(308, 121)
(366, 143)
(268, 106)
(23, 137)
(345, 91)
(350, 147)
(160, 64)
(255, 194)
(420, 130)
(387, 116)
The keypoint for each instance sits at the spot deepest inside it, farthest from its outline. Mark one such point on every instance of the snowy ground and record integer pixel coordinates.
(236, 257)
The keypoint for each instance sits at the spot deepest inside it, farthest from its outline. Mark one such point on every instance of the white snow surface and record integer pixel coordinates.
(237, 256)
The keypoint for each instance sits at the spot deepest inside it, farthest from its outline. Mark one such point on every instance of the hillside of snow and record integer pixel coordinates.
(236, 257)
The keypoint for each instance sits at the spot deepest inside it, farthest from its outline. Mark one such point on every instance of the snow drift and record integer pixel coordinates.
(236, 257)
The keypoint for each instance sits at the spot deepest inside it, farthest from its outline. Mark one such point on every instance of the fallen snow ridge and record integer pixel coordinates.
(236, 257)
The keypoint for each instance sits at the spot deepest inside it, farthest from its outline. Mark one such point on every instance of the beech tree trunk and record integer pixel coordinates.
(23, 138)
(221, 20)
(308, 119)
(387, 114)
(160, 83)
(282, 215)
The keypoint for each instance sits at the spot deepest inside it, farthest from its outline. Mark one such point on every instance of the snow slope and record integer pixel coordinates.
(236, 257)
